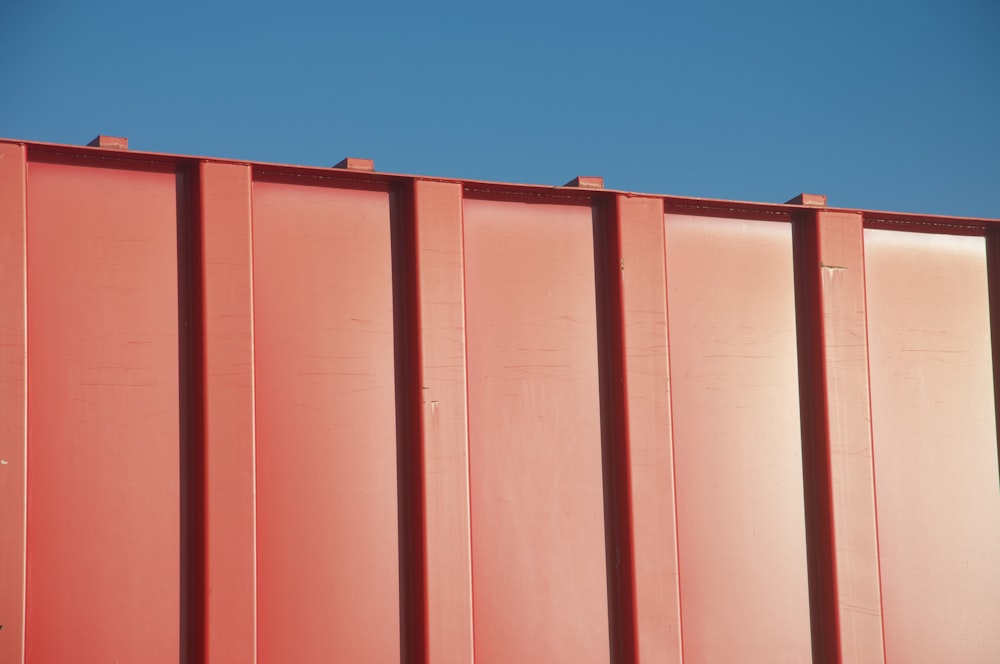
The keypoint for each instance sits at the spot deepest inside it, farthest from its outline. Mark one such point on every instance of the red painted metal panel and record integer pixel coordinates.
(228, 413)
(103, 413)
(738, 462)
(656, 625)
(935, 442)
(327, 533)
(847, 611)
(444, 422)
(13, 395)
(539, 579)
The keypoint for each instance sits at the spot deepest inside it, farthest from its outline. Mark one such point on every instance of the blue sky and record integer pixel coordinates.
(878, 104)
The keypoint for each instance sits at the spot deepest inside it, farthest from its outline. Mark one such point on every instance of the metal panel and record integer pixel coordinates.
(738, 462)
(935, 445)
(651, 535)
(327, 533)
(539, 581)
(446, 602)
(837, 445)
(103, 413)
(13, 396)
(227, 415)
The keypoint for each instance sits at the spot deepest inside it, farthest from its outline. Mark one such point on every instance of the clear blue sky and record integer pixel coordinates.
(878, 104)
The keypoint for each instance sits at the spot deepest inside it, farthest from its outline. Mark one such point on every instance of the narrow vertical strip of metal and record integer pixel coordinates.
(443, 465)
(226, 272)
(614, 432)
(645, 454)
(409, 491)
(815, 443)
(845, 595)
(190, 399)
(13, 400)
(993, 277)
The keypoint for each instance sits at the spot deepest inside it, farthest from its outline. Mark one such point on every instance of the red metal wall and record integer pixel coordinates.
(103, 415)
(736, 439)
(262, 413)
(535, 454)
(934, 428)
(326, 498)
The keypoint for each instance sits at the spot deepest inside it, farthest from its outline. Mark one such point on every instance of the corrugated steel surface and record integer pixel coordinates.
(270, 413)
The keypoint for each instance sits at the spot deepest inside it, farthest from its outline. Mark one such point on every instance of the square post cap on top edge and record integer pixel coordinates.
(586, 182)
(356, 164)
(109, 142)
(812, 200)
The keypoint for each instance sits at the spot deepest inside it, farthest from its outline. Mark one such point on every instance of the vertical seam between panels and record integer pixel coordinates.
(253, 401)
(24, 401)
(468, 422)
(871, 438)
(673, 457)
